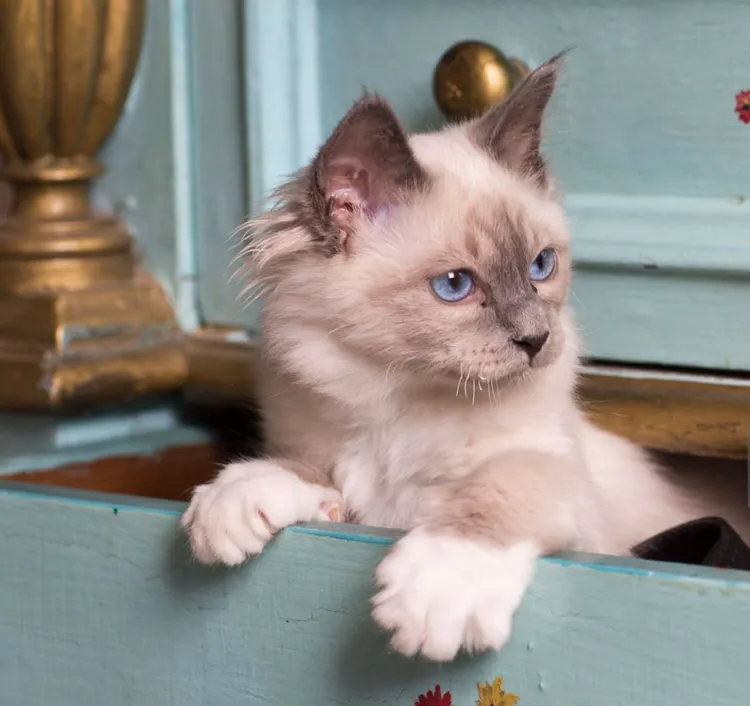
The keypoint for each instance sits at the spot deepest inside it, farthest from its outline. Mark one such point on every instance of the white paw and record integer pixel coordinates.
(441, 593)
(235, 515)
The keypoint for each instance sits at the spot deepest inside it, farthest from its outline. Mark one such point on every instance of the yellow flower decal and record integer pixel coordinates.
(494, 694)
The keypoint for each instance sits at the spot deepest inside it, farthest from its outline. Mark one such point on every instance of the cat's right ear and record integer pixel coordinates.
(365, 166)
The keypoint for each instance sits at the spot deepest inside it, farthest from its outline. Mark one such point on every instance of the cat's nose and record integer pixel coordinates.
(531, 344)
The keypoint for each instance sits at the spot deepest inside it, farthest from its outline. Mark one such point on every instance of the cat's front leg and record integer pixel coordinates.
(457, 579)
(235, 515)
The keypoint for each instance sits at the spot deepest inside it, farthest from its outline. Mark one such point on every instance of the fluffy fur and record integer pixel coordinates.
(422, 415)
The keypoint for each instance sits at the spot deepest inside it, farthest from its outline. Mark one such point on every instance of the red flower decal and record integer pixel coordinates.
(742, 106)
(434, 699)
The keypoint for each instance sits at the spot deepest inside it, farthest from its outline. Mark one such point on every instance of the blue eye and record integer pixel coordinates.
(543, 265)
(453, 286)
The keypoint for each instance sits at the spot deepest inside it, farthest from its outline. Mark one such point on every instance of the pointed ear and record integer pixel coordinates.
(512, 131)
(366, 165)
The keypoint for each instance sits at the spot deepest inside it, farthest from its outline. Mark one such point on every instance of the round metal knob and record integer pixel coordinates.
(473, 76)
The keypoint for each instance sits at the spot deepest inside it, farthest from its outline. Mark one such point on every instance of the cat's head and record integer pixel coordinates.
(442, 254)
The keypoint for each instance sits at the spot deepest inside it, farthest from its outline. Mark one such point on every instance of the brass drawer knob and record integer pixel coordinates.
(473, 76)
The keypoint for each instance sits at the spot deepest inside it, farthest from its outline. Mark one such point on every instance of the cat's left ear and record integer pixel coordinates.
(512, 131)
(366, 165)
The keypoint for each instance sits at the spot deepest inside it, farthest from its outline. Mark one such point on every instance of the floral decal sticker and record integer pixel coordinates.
(494, 694)
(742, 106)
(489, 695)
(434, 698)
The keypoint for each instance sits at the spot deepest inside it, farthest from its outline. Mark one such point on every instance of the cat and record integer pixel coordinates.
(419, 368)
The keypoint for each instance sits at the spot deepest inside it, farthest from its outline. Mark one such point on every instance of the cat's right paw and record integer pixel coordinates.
(234, 516)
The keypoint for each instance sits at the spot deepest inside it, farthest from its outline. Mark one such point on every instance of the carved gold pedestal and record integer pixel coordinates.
(79, 323)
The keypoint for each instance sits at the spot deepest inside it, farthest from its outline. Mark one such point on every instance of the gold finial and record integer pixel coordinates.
(473, 76)
(78, 321)
(65, 71)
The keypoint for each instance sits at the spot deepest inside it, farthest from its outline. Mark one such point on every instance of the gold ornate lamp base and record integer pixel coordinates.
(79, 324)
(81, 347)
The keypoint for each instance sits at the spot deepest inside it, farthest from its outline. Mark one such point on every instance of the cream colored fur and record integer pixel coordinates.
(374, 390)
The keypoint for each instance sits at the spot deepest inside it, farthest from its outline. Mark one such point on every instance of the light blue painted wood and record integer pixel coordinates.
(40, 442)
(100, 602)
(282, 90)
(184, 196)
(620, 123)
(218, 151)
(140, 180)
(662, 279)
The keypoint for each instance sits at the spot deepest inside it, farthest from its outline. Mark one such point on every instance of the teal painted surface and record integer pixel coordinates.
(184, 200)
(662, 279)
(41, 442)
(282, 90)
(641, 110)
(217, 149)
(99, 600)
(141, 171)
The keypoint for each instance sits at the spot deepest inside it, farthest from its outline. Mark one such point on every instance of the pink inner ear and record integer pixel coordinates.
(347, 193)
(344, 205)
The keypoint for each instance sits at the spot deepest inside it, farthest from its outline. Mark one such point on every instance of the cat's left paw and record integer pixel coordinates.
(441, 593)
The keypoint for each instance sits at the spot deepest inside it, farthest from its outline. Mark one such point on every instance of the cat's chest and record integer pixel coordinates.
(383, 469)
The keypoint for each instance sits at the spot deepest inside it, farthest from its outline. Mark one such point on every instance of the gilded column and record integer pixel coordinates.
(80, 322)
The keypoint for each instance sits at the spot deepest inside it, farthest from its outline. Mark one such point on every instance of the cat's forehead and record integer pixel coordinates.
(468, 181)
(484, 208)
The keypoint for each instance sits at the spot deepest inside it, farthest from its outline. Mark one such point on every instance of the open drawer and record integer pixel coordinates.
(100, 603)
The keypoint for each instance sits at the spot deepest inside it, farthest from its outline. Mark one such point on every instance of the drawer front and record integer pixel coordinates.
(100, 603)
(643, 136)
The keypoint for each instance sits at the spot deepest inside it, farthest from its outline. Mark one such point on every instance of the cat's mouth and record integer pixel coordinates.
(466, 380)
(491, 377)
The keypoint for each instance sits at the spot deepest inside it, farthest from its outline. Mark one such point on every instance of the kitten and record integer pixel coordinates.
(418, 366)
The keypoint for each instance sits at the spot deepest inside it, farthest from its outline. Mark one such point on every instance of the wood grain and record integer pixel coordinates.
(222, 365)
(686, 414)
(101, 603)
(169, 474)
